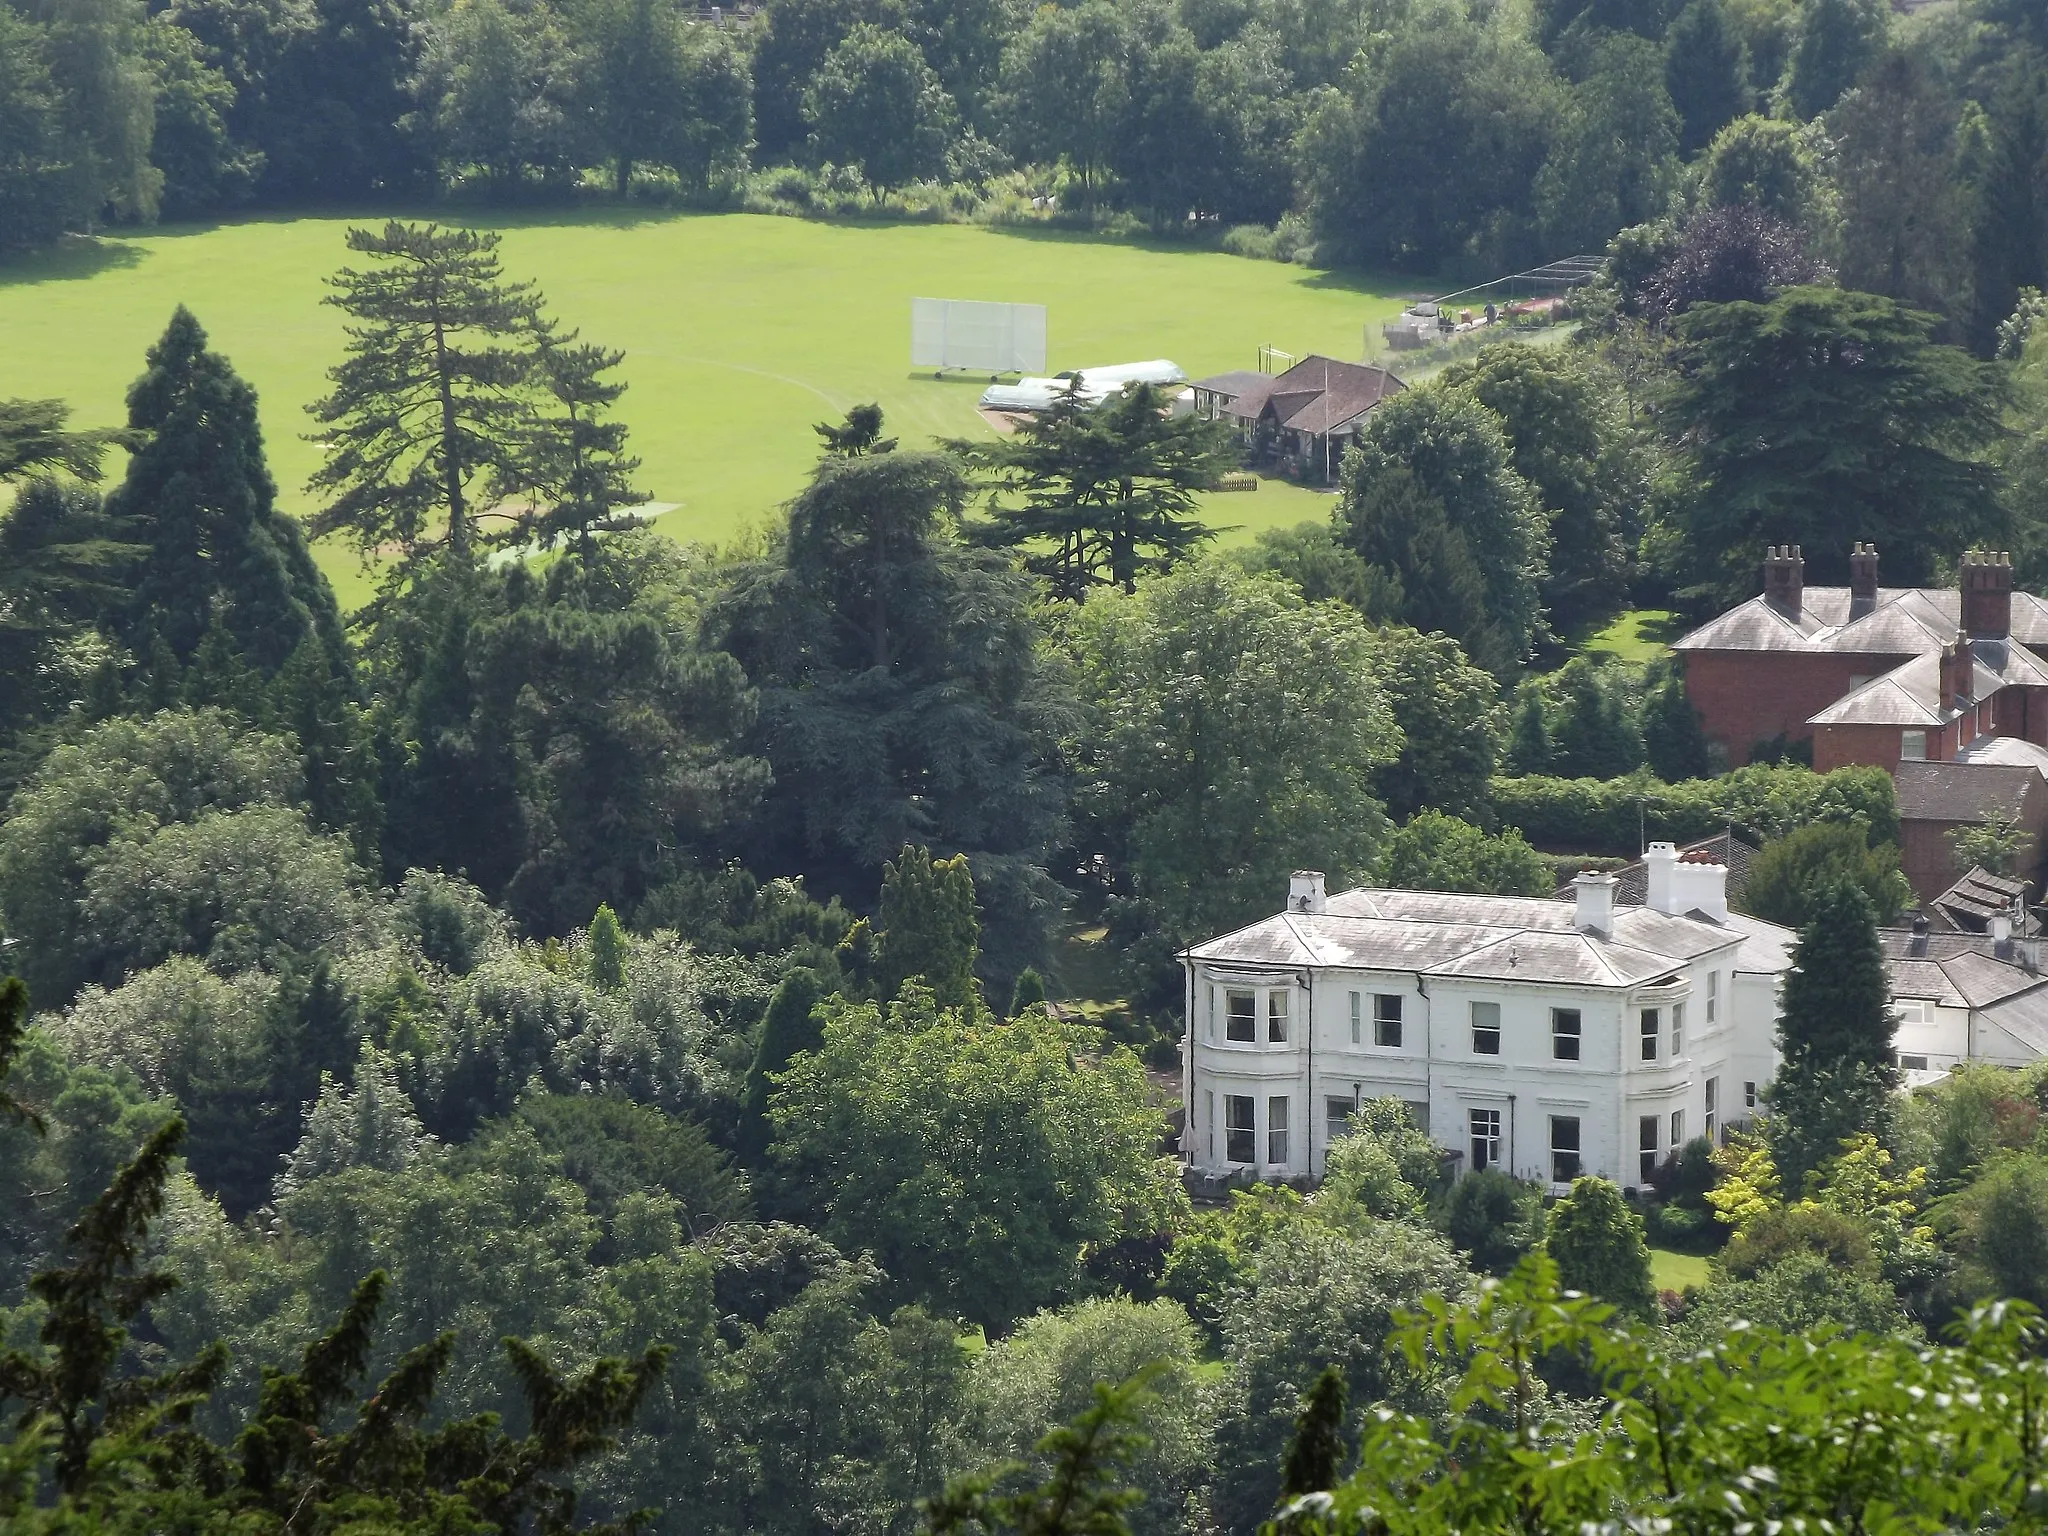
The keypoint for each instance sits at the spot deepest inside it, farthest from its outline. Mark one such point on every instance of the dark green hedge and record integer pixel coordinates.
(1608, 816)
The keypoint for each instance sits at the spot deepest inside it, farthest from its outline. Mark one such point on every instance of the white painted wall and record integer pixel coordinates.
(1609, 1090)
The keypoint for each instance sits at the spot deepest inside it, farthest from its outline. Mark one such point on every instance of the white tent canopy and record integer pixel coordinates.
(1094, 385)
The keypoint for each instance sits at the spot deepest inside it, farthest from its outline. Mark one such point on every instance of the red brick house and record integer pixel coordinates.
(1872, 674)
(1940, 687)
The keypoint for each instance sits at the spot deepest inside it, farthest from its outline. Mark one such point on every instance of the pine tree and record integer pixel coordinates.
(314, 698)
(429, 413)
(1835, 1034)
(786, 1029)
(858, 435)
(88, 1307)
(607, 950)
(33, 442)
(1315, 1458)
(928, 927)
(198, 495)
(576, 471)
(1837, 1004)
(1108, 490)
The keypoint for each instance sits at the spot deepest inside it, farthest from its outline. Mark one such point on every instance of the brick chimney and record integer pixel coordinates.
(1987, 594)
(1785, 578)
(1958, 673)
(1862, 580)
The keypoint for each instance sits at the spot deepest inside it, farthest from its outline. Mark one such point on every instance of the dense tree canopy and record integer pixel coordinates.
(1189, 685)
(1823, 417)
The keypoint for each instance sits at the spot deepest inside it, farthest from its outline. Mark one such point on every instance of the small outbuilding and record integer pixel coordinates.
(1304, 418)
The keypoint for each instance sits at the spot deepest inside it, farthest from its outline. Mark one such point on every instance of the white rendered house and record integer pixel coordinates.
(1543, 1037)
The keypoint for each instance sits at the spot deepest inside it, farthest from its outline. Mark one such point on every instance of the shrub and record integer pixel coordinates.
(1609, 815)
(1779, 1234)
(1493, 1217)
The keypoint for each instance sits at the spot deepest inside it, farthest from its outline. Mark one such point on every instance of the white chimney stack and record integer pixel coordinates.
(2001, 927)
(1658, 864)
(1678, 885)
(1306, 892)
(1700, 885)
(1595, 895)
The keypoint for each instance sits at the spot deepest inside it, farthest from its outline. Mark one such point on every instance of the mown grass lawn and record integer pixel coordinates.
(1639, 635)
(1671, 1270)
(739, 330)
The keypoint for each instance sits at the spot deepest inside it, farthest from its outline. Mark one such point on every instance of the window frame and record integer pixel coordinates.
(1249, 1130)
(1480, 1030)
(1648, 1129)
(1279, 1014)
(1677, 1129)
(1381, 1021)
(1912, 746)
(1337, 1126)
(1560, 1036)
(1713, 996)
(1356, 1018)
(1478, 1137)
(1249, 1018)
(1278, 1123)
(1651, 1023)
(1677, 1030)
(1711, 1089)
(1562, 1156)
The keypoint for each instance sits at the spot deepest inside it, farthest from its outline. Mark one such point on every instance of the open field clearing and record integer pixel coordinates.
(739, 331)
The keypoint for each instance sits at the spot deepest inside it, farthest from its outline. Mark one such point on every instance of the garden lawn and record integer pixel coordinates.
(1671, 1270)
(739, 331)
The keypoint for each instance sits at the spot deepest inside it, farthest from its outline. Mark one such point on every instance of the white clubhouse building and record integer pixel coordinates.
(1547, 1038)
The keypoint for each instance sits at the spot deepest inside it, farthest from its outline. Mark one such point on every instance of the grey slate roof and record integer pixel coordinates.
(1236, 383)
(1962, 791)
(1904, 621)
(1910, 694)
(2007, 751)
(1507, 938)
(1964, 970)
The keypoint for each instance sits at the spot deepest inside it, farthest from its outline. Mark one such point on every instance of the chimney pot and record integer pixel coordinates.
(1785, 578)
(1987, 594)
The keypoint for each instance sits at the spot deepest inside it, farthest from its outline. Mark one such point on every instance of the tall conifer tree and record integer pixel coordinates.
(1835, 1034)
(929, 930)
(1108, 491)
(426, 423)
(199, 498)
